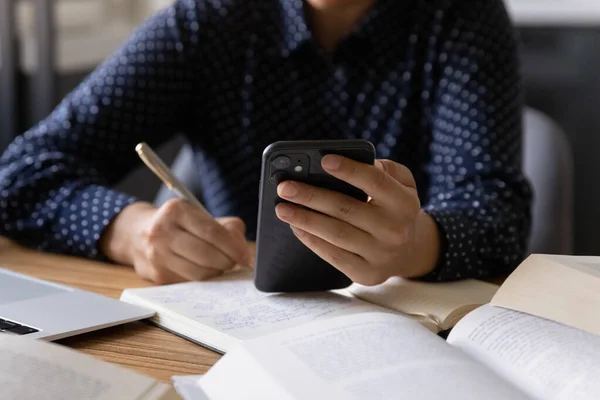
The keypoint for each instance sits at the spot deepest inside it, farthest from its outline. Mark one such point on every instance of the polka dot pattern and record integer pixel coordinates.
(433, 84)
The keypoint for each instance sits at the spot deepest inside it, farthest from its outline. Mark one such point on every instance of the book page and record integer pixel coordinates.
(546, 359)
(442, 303)
(234, 306)
(32, 369)
(587, 265)
(188, 388)
(366, 356)
(564, 289)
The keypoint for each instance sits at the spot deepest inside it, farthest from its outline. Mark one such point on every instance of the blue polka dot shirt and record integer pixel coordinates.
(433, 84)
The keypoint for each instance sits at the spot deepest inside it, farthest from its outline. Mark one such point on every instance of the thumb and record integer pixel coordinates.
(397, 171)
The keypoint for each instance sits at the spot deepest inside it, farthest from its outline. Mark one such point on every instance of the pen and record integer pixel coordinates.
(164, 173)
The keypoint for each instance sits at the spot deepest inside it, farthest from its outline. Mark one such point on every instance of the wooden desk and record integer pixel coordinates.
(137, 346)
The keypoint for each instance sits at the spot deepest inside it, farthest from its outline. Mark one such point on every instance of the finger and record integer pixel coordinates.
(237, 227)
(334, 231)
(252, 249)
(193, 220)
(372, 180)
(234, 225)
(397, 171)
(158, 273)
(351, 265)
(199, 253)
(190, 271)
(334, 204)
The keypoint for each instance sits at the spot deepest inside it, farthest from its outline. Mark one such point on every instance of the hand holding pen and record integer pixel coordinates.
(178, 242)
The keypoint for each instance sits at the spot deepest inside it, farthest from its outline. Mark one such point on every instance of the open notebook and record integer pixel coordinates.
(221, 313)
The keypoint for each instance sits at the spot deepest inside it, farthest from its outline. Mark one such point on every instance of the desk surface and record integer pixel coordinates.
(137, 346)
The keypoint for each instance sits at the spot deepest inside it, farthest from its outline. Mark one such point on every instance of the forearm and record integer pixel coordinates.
(55, 178)
(477, 192)
(68, 220)
(54, 203)
(484, 242)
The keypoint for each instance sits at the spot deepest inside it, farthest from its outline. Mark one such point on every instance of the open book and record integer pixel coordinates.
(32, 369)
(564, 289)
(492, 353)
(221, 313)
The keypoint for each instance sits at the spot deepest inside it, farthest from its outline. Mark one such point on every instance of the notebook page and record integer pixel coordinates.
(234, 306)
(546, 359)
(437, 301)
(32, 369)
(367, 356)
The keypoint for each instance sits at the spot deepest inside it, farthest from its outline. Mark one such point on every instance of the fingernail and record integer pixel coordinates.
(298, 232)
(284, 211)
(287, 189)
(332, 162)
(249, 261)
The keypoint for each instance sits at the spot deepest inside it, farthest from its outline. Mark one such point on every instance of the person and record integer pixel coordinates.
(433, 84)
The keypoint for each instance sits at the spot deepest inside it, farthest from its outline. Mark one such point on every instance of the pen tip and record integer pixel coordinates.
(139, 147)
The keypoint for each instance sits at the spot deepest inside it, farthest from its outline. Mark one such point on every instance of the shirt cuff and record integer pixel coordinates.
(460, 240)
(84, 218)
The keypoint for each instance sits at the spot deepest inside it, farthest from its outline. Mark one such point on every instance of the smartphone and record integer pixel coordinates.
(283, 263)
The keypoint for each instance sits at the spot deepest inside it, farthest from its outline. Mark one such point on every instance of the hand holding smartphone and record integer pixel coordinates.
(283, 263)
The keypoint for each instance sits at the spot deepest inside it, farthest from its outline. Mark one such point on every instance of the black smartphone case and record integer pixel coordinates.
(283, 263)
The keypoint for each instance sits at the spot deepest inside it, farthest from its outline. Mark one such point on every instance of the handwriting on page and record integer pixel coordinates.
(238, 308)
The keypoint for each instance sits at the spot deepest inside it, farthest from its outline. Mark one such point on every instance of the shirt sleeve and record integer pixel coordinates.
(477, 192)
(55, 179)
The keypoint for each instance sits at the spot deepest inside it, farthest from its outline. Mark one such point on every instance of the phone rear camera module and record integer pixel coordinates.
(282, 162)
(278, 177)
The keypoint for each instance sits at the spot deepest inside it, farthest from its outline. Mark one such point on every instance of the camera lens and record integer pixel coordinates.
(282, 162)
(278, 177)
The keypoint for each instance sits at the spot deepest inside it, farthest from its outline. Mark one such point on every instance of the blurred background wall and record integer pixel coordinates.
(560, 53)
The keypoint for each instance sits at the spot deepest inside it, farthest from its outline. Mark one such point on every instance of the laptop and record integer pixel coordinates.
(43, 310)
